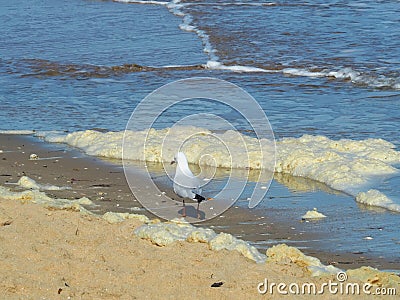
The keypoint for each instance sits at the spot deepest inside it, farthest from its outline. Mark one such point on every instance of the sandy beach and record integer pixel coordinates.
(48, 253)
(283, 112)
(51, 254)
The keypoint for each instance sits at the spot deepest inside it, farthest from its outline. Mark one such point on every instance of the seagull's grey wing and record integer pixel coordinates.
(186, 185)
(197, 190)
(184, 177)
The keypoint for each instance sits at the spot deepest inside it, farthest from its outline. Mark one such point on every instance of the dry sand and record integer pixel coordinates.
(51, 254)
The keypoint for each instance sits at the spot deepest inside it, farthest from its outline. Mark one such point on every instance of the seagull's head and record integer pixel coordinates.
(179, 158)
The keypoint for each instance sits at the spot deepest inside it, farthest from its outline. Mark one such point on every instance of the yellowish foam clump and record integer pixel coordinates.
(33, 156)
(315, 157)
(41, 198)
(346, 165)
(283, 253)
(161, 145)
(179, 221)
(37, 197)
(376, 198)
(339, 163)
(313, 214)
(375, 277)
(114, 217)
(29, 183)
(229, 242)
(163, 234)
(106, 144)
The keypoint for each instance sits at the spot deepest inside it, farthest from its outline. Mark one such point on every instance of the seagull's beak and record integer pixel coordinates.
(172, 162)
(208, 199)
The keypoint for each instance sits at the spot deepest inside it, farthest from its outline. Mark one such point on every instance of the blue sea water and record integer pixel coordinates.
(327, 68)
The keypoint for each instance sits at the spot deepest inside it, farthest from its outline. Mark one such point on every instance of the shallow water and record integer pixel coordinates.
(348, 228)
(322, 67)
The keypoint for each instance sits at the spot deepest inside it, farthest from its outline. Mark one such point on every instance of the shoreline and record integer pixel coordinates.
(64, 252)
(104, 183)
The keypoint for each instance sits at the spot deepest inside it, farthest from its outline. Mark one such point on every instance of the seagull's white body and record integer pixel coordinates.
(186, 184)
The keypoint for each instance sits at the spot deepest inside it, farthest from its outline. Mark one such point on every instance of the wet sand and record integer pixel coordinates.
(66, 254)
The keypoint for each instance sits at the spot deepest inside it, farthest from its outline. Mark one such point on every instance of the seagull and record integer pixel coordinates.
(186, 184)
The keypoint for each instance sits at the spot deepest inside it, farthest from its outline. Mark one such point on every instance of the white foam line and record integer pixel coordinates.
(175, 7)
(143, 2)
(29, 183)
(234, 4)
(48, 158)
(374, 81)
(215, 65)
(303, 72)
(17, 132)
(247, 4)
(164, 3)
(173, 66)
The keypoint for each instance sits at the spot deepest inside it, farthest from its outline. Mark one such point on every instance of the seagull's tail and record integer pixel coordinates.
(199, 198)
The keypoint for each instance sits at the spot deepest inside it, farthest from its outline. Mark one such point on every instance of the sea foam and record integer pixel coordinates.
(29, 183)
(41, 198)
(215, 65)
(376, 198)
(282, 253)
(163, 3)
(354, 76)
(313, 215)
(346, 165)
(19, 132)
(176, 7)
(163, 234)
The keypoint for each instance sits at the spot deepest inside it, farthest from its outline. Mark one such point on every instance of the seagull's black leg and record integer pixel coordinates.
(199, 198)
(184, 208)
